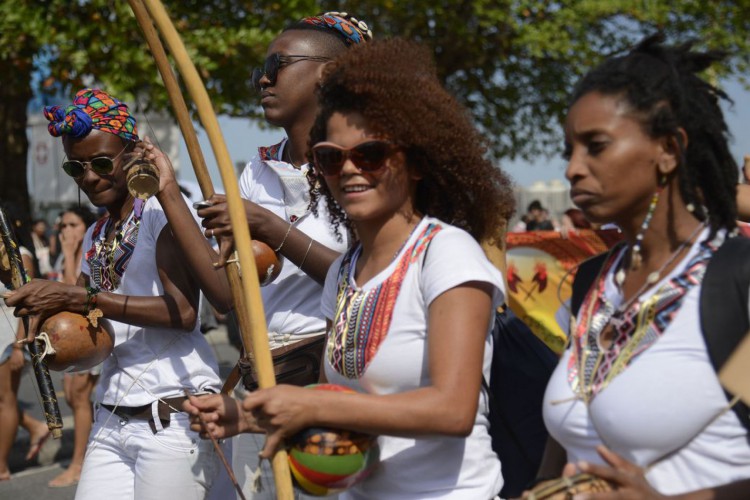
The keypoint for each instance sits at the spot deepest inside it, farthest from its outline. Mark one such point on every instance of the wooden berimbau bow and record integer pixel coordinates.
(245, 291)
(41, 373)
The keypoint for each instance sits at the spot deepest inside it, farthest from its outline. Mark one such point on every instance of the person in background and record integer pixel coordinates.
(743, 193)
(78, 387)
(41, 247)
(536, 219)
(13, 357)
(572, 220)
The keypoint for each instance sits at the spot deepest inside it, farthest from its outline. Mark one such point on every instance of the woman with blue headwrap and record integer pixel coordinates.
(132, 277)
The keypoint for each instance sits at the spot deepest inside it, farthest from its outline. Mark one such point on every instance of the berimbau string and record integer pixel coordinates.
(152, 135)
(220, 452)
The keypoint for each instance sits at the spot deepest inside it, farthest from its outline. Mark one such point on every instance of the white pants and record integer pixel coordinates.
(126, 460)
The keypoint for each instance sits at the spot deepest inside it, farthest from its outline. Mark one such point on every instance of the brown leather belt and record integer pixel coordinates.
(295, 364)
(165, 407)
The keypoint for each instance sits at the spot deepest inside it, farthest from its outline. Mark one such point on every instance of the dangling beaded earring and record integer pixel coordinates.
(635, 253)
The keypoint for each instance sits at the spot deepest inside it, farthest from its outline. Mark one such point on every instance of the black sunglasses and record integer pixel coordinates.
(370, 156)
(275, 62)
(101, 165)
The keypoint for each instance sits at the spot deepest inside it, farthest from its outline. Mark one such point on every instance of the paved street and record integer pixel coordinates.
(29, 479)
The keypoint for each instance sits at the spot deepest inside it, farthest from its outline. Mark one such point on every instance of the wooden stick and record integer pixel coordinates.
(197, 160)
(41, 372)
(219, 452)
(250, 284)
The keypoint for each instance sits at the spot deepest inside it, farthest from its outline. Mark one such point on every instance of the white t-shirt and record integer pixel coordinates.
(425, 466)
(151, 362)
(658, 405)
(292, 301)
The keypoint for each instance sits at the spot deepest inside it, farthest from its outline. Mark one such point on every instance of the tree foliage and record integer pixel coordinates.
(511, 62)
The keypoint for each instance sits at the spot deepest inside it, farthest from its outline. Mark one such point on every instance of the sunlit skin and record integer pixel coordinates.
(614, 170)
(176, 308)
(290, 102)
(110, 190)
(369, 198)
(613, 165)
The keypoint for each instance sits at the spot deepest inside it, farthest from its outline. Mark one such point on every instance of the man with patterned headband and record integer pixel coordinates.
(277, 203)
(133, 280)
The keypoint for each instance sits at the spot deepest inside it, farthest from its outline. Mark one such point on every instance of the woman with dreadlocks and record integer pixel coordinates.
(636, 399)
(132, 276)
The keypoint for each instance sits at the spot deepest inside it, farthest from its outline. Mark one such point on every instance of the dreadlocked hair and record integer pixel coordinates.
(661, 85)
(393, 84)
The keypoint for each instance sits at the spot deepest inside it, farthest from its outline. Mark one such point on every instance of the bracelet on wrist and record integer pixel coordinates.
(288, 230)
(90, 310)
(309, 246)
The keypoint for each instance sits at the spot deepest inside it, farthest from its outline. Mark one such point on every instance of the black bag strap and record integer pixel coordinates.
(585, 276)
(723, 303)
(495, 407)
(498, 412)
(724, 307)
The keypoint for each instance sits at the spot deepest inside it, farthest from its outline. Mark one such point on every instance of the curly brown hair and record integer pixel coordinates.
(393, 84)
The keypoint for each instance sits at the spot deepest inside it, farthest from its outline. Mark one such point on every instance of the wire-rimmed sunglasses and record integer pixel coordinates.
(275, 62)
(370, 156)
(101, 165)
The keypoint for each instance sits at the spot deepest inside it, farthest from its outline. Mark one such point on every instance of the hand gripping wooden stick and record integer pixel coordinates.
(41, 373)
(219, 452)
(199, 166)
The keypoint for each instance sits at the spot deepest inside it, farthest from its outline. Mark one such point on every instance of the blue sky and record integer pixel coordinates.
(243, 139)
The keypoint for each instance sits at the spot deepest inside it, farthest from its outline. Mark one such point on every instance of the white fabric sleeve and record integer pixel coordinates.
(328, 299)
(85, 268)
(153, 221)
(453, 258)
(247, 181)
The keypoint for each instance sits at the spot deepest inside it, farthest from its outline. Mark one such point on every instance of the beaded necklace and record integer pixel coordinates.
(591, 367)
(109, 260)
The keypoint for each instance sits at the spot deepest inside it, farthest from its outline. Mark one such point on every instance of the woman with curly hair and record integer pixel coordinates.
(410, 304)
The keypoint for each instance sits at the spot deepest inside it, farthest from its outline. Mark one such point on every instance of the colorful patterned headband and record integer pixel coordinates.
(91, 109)
(352, 30)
